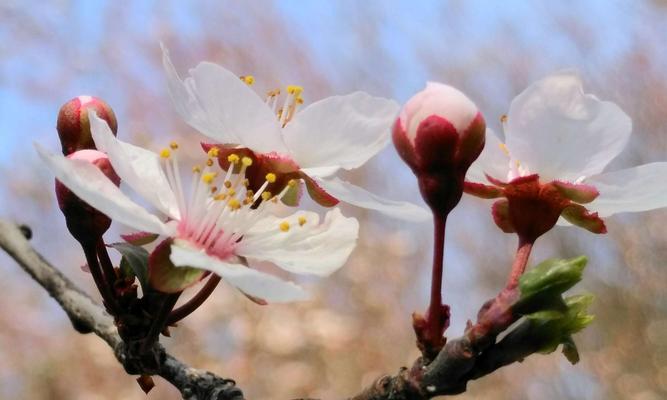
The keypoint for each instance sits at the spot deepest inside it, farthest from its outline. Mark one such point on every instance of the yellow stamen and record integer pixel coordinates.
(247, 201)
(219, 197)
(247, 161)
(196, 169)
(214, 189)
(231, 192)
(173, 145)
(302, 220)
(228, 184)
(246, 182)
(208, 177)
(284, 226)
(503, 147)
(234, 204)
(299, 100)
(165, 153)
(503, 118)
(270, 177)
(294, 90)
(249, 193)
(209, 162)
(291, 183)
(248, 79)
(266, 195)
(233, 158)
(213, 152)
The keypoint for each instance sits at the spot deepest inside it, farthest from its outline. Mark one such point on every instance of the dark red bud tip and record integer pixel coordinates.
(74, 127)
(85, 223)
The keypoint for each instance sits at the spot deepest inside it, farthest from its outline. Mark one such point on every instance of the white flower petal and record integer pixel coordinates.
(137, 167)
(248, 280)
(308, 247)
(556, 130)
(188, 106)
(235, 106)
(342, 131)
(493, 161)
(320, 172)
(635, 189)
(349, 193)
(93, 187)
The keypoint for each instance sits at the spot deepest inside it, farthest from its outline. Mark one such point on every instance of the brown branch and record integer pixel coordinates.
(87, 316)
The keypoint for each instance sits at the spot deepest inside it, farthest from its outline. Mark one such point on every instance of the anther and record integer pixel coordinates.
(302, 220)
(213, 152)
(291, 183)
(220, 197)
(228, 184)
(233, 158)
(234, 204)
(231, 192)
(173, 145)
(503, 118)
(165, 153)
(266, 195)
(208, 177)
(209, 162)
(196, 169)
(247, 161)
(248, 79)
(294, 90)
(246, 182)
(284, 226)
(270, 177)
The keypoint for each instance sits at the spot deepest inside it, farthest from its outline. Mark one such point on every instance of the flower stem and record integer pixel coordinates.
(194, 303)
(520, 261)
(435, 310)
(102, 285)
(107, 266)
(159, 320)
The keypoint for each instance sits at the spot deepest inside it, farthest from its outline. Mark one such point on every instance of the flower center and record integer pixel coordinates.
(291, 101)
(220, 207)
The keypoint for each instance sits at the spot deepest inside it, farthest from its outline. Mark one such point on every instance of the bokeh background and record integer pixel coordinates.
(358, 326)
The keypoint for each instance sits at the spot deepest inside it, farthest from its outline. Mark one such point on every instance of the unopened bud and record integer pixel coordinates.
(439, 133)
(84, 222)
(73, 124)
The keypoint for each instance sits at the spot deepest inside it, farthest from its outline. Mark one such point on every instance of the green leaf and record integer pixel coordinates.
(553, 275)
(135, 260)
(164, 276)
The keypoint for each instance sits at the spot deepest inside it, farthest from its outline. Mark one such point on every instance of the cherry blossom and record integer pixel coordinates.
(214, 222)
(559, 140)
(310, 144)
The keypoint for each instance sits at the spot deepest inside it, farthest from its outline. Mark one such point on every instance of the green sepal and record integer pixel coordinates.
(134, 261)
(164, 276)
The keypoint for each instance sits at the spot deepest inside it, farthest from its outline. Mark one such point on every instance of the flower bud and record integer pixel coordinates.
(74, 127)
(439, 133)
(84, 222)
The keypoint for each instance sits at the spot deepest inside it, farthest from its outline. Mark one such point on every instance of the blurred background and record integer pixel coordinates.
(358, 326)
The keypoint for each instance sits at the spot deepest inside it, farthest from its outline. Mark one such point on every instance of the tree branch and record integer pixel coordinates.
(87, 316)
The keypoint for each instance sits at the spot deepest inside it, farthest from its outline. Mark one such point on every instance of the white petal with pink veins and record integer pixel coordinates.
(556, 130)
(493, 161)
(248, 280)
(92, 186)
(343, 131)
(634, 189)
(349, 193)
(216, 102)
(306, 246)
(137, 167)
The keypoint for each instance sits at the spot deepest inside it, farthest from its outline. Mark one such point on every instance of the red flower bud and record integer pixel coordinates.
(439, 133)
(73, 125)
(84, 222)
